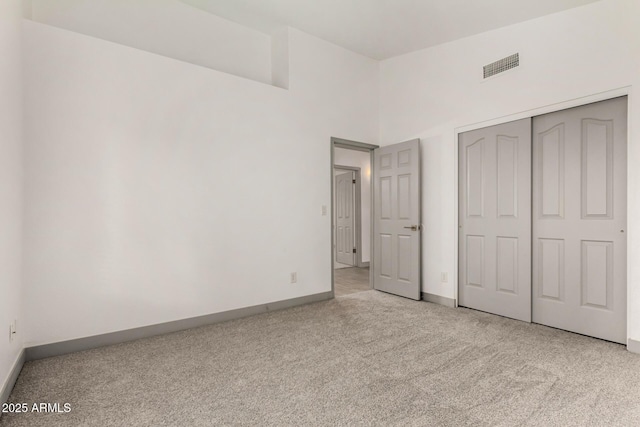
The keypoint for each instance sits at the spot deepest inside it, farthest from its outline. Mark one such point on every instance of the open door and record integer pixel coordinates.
(345, 222)
(397, 227)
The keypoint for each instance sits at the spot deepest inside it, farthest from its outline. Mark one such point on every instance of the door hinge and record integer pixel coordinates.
(354, 181)
(354, 250)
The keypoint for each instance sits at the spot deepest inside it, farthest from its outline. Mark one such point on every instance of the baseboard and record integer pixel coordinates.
(437, 299)
(633, 346)
(80, 344)
(364, 264)
(7, 388)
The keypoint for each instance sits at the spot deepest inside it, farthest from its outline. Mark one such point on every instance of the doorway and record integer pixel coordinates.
(542, 218)
(351, 216)
(392, 225)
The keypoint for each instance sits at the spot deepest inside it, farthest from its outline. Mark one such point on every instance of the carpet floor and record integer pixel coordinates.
(363, 359)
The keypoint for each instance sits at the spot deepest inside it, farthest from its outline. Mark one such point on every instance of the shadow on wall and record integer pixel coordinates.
(174, 29)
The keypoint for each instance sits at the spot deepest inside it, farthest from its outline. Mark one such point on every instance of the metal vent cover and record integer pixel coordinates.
(501, 65)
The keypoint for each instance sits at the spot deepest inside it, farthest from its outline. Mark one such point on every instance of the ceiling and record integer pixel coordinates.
(382, 29)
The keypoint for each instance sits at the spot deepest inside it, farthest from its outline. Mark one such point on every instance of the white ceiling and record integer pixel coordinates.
(382, 29)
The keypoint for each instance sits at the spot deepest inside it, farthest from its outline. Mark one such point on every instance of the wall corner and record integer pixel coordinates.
(280, 58)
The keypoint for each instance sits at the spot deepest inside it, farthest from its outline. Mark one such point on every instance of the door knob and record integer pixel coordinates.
(414, 227)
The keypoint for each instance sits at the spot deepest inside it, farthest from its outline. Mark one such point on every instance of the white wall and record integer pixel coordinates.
(149, 181)
(362, 160)
(10, 182)
(166, 27)
(566, 56)
(157, 190)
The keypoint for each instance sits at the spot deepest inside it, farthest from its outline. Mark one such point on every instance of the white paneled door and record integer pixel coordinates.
(397, 227)
(495, 219)
(345, 219)
(543, 217)
(579, 225)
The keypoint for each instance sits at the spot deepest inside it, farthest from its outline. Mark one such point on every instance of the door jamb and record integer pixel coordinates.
(357, 146)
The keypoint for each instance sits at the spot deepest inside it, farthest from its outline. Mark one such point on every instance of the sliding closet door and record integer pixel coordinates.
(579, 219)
(495, 219)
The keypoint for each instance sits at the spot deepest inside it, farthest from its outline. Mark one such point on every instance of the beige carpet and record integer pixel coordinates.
(364, 359)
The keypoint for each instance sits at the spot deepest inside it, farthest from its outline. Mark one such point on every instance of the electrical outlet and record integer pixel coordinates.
(294, 277)
(444, 277)
(324, 210)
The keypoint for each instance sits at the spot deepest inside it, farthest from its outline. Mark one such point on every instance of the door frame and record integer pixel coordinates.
(550, 108)
(357, 211)
(356, 146)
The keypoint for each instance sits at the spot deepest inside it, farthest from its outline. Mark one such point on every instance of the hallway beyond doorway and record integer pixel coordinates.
(351, 280)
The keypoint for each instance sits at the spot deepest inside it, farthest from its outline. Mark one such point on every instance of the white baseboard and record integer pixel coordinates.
(87, 343)
(437, 299)
(7, 387)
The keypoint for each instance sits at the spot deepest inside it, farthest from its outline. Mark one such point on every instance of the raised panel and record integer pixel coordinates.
(597, 274)
(507, 176)
(507, 264)
(343, 199)
(386, 259)
(348, 240)
(348, 199)
(404, 257)
(475, 261)
(404, 158)
(551, 172)
(340, 200)
(404, 196)
(551, 269)
(385, 161)
(385, 197)
(597, 169)
(340, 239)
(345, 239)
(475, 178)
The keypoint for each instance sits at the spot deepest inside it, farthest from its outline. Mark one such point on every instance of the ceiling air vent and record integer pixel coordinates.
(501, 65)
